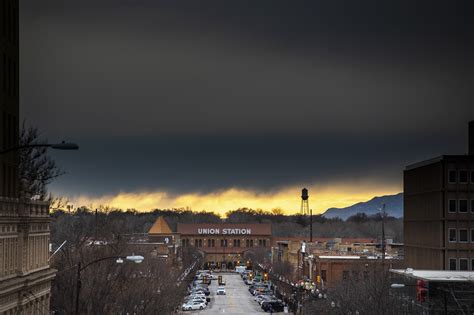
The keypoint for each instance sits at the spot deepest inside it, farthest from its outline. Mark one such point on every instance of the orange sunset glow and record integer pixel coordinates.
(287, 199)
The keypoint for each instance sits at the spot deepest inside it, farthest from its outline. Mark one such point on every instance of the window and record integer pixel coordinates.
(345, 275)
(472, 263)
(211, 243)
(463, 177)
(452, 205)
(185, 242)
(366, 275)
(249, 243)
(472, 177)
(452, 263)
(262, 243)
(463, 205)
(452, 235)
(198, 243)
(472, 235)
(355, 275)
(236, 243)
(463, 235)
(463, 264)
(223, 243)
(323, 275)
(452, 177)
(472, 205)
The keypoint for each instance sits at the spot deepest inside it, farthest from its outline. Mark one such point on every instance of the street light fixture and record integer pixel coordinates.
(57, 146)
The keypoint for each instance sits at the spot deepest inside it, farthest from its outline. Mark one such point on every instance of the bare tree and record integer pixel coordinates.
(36, 168)
(358, 294)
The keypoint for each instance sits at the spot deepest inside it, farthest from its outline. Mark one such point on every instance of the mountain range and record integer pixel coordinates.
(393, 207)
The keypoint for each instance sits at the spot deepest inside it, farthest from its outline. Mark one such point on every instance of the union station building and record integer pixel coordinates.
(229, 243)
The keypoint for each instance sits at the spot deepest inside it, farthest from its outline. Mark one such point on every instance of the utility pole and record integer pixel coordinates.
(383, 233)
(95, 232)
(311, 225)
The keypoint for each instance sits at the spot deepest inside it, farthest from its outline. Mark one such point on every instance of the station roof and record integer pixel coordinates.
(436, 275)
(160, 227)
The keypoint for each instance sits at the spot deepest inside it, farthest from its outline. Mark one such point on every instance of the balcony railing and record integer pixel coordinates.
(15, 207)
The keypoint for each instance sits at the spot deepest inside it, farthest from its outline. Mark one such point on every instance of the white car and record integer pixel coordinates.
(193, 306)
(195, 299)
(208, 276)
(220, 291)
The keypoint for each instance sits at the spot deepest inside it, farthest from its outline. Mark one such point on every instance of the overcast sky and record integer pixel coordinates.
(194, 97)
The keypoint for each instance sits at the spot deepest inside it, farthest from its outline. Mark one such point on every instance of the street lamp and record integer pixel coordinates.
(57, 146)
(118, 259)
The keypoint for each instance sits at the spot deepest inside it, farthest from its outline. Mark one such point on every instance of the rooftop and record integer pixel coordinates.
(436, 275)
(339, 257)
(436, 160)
(160, 227)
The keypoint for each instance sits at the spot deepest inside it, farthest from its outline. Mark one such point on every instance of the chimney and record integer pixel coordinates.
(471, 137)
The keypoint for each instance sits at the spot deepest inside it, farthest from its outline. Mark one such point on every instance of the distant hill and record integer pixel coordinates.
(393, 207)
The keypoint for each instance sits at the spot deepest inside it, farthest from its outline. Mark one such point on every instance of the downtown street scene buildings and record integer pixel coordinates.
(110, 266)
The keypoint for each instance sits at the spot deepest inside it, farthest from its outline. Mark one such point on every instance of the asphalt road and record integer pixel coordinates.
(237, 300)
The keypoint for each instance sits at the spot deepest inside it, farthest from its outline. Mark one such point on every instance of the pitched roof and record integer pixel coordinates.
(160, 227)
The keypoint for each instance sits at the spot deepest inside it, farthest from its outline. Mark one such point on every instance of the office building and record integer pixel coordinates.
(439, 212)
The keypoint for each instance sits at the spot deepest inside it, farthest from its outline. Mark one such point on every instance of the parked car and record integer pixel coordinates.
(193, 306)
(262, 296)
(267, 299)
(195, 299)
(274, 306)
(220, 291)
(200, 290)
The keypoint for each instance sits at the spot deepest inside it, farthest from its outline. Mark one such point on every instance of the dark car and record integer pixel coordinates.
(274, 306)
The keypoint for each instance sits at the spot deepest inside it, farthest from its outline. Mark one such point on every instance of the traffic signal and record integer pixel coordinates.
(318, 279)
(421, 291)
(265, 276)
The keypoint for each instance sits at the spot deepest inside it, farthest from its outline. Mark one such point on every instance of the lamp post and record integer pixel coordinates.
(57, 146)
(119, 259)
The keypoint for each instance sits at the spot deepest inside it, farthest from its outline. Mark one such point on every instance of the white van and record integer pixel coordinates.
(240, 269)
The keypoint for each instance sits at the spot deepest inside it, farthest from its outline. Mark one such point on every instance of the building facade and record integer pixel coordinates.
(223, 244)
(226, 243)
(439, 212)
(25, 276)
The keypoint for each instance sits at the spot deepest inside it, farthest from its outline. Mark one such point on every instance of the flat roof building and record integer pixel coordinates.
(433, 291)
(439, 212)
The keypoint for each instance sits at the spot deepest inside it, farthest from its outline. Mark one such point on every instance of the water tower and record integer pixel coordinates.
(304, 202)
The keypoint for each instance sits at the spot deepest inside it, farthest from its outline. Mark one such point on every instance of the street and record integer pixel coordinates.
(237, 300)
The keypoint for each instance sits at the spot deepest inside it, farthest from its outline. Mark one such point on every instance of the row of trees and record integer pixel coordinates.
(65, 225)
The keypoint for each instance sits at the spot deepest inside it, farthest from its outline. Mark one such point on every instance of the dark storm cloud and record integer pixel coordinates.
(206, 95)
(185, 164)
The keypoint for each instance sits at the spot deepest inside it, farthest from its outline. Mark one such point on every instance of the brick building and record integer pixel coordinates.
(224, 243)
